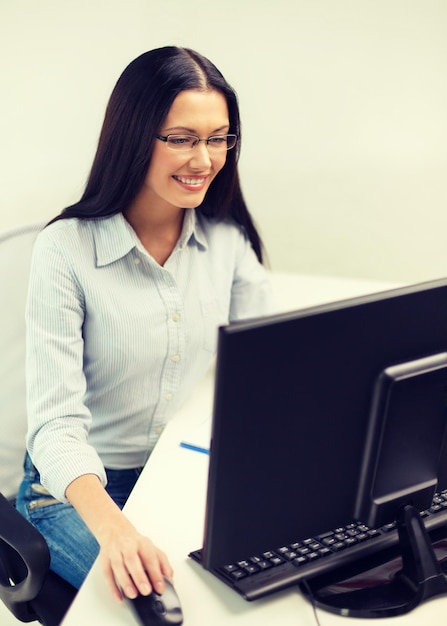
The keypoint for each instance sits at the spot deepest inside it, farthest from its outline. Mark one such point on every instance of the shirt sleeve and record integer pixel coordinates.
(251, 293)
(58, 420)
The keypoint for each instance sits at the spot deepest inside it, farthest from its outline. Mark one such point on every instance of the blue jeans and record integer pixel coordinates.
(73, 548)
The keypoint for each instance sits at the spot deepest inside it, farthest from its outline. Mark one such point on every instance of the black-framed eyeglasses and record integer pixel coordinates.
(183, 143)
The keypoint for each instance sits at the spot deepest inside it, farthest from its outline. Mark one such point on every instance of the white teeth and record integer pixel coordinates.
(190, 181)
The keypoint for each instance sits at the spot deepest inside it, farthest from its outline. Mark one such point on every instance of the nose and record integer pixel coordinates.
(200, 156)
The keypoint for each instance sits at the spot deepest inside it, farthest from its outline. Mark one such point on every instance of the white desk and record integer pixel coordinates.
(168, 504)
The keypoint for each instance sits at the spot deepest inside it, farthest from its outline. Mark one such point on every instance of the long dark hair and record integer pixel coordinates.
(136, 110)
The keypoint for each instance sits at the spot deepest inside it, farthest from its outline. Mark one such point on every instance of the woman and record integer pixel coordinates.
(127, 288)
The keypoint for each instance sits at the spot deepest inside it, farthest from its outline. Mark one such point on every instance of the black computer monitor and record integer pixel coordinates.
(404, 442)
(328, 414)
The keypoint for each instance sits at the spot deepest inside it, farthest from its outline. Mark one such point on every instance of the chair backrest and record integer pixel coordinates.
(28, 588)
(15, 256)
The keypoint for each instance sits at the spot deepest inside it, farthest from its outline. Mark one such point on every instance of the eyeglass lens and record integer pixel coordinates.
(188, 142)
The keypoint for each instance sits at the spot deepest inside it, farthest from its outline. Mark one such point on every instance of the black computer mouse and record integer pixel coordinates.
(158, 610)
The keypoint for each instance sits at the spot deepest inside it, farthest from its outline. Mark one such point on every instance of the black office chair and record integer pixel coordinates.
(30, 590)
(27, 587)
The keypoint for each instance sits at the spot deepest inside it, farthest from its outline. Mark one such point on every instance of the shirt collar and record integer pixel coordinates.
(192, 230)
(115, 238)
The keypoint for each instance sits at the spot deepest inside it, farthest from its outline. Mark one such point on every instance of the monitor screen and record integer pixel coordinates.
(302, 419)
(405, 440)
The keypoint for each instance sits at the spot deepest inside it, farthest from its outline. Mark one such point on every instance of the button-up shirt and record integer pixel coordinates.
(115, 341)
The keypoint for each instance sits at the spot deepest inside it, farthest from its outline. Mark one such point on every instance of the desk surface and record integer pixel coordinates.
(168, 504)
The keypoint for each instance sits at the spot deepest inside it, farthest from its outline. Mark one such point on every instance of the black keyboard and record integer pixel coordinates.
(254, 576)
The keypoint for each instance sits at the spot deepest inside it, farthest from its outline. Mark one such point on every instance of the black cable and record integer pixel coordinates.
(310, 596)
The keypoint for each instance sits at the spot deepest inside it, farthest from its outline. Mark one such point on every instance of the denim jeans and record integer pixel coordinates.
(73, 548)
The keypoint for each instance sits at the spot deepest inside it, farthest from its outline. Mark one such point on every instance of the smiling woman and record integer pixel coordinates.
(179, 178)
(126, 292)
(182, 168)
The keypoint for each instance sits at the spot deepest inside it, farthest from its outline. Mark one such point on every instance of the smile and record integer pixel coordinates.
(192, 182)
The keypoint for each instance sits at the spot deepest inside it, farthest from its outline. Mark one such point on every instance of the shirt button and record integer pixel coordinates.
(137, 261)
(175, 358)
(159, 430)
(168, 396)
(176, 317)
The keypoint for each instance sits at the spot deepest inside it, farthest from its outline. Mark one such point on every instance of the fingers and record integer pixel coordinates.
(135, 569)
(137, 578)
(165, 565)
(111, 583)
(156, 565)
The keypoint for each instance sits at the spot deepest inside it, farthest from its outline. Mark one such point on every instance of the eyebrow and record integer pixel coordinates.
(191, 131)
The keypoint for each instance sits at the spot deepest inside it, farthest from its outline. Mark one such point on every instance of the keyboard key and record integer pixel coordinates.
(329, 541)
(276, 560)
(388, 527)
(230, 568)
(290, 555)
(350, 541)
(300, 560)
(435, 508)
(255, 559)
(325, 535)
(268, 555)
(339, 545)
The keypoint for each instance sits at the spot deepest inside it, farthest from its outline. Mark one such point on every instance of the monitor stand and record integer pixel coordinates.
(420, 578)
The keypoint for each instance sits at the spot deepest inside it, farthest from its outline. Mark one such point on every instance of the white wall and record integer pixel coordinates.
(344, 108)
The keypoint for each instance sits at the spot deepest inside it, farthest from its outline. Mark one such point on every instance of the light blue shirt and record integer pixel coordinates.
(115, 342)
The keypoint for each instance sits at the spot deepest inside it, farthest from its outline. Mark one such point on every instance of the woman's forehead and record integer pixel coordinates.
(193, 109)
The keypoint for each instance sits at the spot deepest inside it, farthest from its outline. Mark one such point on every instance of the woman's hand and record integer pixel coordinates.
(131, 563)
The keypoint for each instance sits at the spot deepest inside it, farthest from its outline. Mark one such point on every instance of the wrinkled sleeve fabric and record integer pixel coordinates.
(59, 421)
